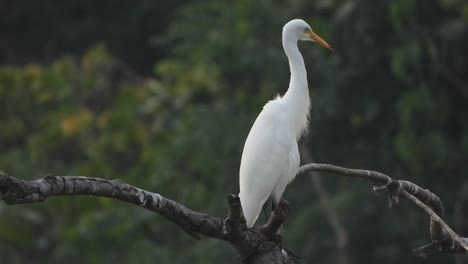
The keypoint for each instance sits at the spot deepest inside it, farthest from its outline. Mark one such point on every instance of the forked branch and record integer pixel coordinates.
(254, 245)
(257, 246)
(441, 234)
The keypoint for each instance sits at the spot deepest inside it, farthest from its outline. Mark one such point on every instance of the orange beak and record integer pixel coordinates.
(319, 40)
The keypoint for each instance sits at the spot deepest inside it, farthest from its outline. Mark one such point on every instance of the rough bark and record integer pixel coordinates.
(459, 222)
(254, 245)
(441, 234)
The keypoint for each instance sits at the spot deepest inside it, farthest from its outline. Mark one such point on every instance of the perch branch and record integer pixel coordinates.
(456, 248)
(374, 176)
(440, 232)
(253, 246)
(16, 191)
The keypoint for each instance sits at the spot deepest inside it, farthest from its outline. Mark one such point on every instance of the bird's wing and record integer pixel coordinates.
(264, 160)
(291, 169)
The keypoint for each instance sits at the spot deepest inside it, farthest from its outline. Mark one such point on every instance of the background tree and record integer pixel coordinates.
(390, 98)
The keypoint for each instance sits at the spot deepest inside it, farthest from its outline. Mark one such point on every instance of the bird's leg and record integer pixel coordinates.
(290, 253)
(276, 219)
(272, 229)
(267, 214)
(274, 204)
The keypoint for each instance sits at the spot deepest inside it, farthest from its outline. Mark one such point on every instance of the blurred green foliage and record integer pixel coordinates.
(392, 97)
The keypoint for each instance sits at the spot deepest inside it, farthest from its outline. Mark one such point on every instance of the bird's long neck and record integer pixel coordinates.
(297, 97)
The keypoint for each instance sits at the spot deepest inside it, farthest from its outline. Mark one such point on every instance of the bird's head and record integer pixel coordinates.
(300, 30)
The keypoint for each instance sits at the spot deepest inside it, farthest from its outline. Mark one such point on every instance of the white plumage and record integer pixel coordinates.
(271, 158)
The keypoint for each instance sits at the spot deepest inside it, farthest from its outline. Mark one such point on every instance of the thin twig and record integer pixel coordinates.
(436, 218)
(374, 176)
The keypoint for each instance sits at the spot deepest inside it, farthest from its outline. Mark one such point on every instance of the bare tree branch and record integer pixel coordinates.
(258, 246)
(459, 247)
(254, 245)
(15, 191)
(441, 233)
(374, 176)
(458, 216)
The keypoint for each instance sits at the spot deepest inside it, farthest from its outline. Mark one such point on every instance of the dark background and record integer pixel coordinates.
(161, 94)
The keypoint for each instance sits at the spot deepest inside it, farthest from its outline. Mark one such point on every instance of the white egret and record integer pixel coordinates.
(271, 158)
